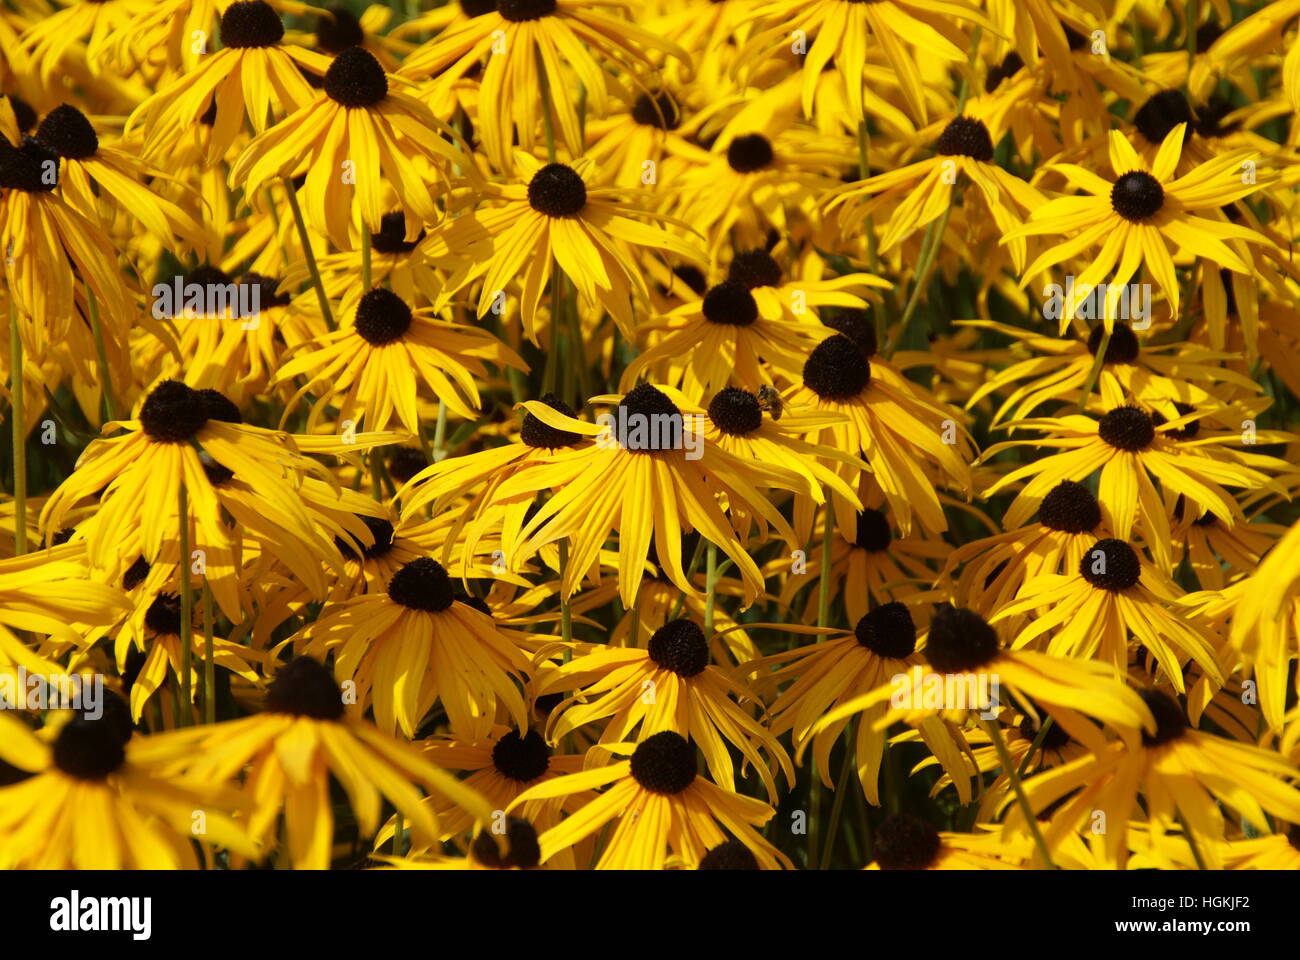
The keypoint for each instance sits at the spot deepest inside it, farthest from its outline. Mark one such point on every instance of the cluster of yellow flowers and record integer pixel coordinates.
(747, 434)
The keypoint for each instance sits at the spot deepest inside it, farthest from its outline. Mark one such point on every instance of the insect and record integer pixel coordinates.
(770, 400)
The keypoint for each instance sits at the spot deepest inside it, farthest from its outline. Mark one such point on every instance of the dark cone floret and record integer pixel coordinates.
(30, 167)
(837, 369)
(23, 113)
(335, 34)
(217, 474)
(1123, 346)
(382, 317)
(135, 574)
(173, 412)
(856, 325)
(1054, 739)
(355, 79)
(749, 153)
(1293, 836)
(522, 849)
(217, 406)
(1165, 110)
(735, 412)
(67, 132)
(267, 297)
(679, 646)
(391, 237)
(664, 763)
(535, 433)
(518, 11)
(1171, 720)
(731, 855)
(657, 110)
(521, 758)
(873, 533)
(1187, 431)
(1111, 565)
(755, 268)
(905, 842)
(888, 631)
(730, 304)
(557, 191)
(406, 462)
(305, 688)
(1210, 118)
(164, 615)
(422, 584)
(1137, 196)
(647, 405)
(965, 137)
(118, 714)
(1127, 428)
(1069, 507)
(477, 8)
(692, 276)
(90, 749)
(382, 531)
(960, 640)
(251, 24)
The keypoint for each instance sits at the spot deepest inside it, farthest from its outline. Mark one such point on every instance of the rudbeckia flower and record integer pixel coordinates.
(552, 216)
(251, 74)
(94, 801)
(39, 234)
(662, 806)
(669, 685)
(288, 754)
(1135, 218)
(964, 655)
(881, 646)
(516, 849)
(745, 331)
(890, 420)
(415, 644)
(360, 122)
(923, 190)
(1129, 448)
(141, 473)
(372, 368)
(906, 842)
(1179, 772)
(1091, 612)
(531, 46)
(842, 30)
(638, 479)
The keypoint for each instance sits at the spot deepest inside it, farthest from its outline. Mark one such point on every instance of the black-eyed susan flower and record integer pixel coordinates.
(363, 123)
(662, 806)
(372, 368)
(669, 685)
(552, 216)
(288, 753)
(92, 800)
(906, 842)
(1134, 219)
(415, 644)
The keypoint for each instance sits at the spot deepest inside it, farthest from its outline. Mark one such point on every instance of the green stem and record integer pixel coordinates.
(1004, 755)
(19, 427)
(710, 586)
(209, 661)
(1033, 747)
(440, 434)
(187, 611)
(1094, 371)
(1191, 841)
(837, 808)
(304, 238)
(105, 381)
(824, 580)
